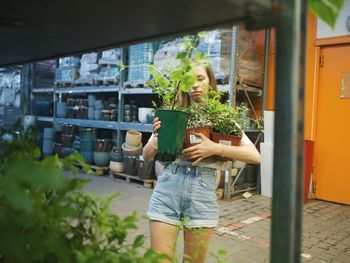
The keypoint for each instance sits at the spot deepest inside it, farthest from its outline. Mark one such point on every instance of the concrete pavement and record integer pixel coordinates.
(244, 226)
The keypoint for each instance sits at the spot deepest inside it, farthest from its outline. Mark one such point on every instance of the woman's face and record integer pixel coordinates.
(200, 87)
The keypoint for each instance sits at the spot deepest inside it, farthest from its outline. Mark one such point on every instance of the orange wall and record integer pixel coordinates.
(310, 70)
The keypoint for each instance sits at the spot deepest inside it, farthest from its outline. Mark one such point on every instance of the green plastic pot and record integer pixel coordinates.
(171, 135)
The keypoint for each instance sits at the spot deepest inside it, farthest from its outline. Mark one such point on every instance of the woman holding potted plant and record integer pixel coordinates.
(185, 193)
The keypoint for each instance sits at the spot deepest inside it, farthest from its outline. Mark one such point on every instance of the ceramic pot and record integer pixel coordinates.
(103, 145)
(66, 151)
(61, 108)
(129, 165)
(67, 140)
(150, 117)
(91, 113)
(69, 129)
(47, 147)
(86, 144)
(88, 156)
(145, 170)
(131, 151)
(142, 114)
(101, 158)
(116, 167)
(49, 133)
(133, 138)
(91, 100)
(97, 114)
(99, 105)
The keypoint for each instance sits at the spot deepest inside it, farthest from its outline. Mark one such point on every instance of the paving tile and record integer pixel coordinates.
(326, 228)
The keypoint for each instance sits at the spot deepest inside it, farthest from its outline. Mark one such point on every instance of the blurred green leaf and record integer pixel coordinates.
(327, 10)
(139, 241)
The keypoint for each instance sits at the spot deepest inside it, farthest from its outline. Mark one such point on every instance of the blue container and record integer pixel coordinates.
(91, 99)
(58, 126)
(101, 158)
(49, 133)
(86, 144)
(88, 156)
(66, 151)
(91, 113)
(47, 147)
(43, 108)
(61, 109)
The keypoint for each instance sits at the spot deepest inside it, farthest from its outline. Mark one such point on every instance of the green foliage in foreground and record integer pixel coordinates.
(46, 217)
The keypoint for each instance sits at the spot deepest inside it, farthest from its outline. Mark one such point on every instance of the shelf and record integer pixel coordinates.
(87, 89)
(137, 91)
(44, 118)
(89, 123)
(45, 90)
(142, 127)
(250, 90)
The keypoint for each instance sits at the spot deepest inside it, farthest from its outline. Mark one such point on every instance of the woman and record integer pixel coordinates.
(185, 191)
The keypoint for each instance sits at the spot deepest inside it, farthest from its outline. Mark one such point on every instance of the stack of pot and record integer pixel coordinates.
(49, 134)
(102, 149)
(87, 138)
(116, 164)
(132, 148)
(68, 137)
(130, 112)
(99, 106)
(61, 109)
(91, 108)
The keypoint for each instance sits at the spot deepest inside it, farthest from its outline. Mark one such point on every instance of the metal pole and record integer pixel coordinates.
(232, 78)
(289, 129)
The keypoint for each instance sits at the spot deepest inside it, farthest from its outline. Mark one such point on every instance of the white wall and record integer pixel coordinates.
(324, 31)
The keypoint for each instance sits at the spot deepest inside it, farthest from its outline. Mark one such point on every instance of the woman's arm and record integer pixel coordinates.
(244, 153)
(151, 148)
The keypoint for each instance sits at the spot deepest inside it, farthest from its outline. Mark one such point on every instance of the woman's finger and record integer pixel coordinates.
(198, 161)
(190, 149)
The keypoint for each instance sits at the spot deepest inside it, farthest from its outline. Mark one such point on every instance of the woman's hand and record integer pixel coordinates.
(200, 151)
(156, 125)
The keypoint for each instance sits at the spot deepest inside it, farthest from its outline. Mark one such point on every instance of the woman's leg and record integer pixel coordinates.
(163, 238)
(196, 244)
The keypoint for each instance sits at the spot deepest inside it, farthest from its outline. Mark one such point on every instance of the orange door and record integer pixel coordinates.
(332, 143)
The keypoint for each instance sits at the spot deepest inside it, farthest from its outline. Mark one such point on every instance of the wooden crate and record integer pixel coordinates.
(149, 183)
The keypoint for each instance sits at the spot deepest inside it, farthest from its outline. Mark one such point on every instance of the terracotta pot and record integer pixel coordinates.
(133, 138)
(191, 139)
(226, 139)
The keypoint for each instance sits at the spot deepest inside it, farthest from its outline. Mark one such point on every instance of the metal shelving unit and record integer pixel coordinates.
(87, 89)
(137, 91)
(45, 119)
(44, 90)
(135, 126)
(89, 123)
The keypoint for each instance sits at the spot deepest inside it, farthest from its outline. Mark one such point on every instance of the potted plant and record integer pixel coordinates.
(169, 84)
(199, 121)
(226, 126)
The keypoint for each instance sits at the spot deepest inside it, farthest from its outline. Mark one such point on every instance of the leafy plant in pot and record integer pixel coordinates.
(169, 85)
(226, 127)
(199, 121)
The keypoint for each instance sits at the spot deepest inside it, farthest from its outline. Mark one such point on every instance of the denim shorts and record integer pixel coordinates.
(185, 195)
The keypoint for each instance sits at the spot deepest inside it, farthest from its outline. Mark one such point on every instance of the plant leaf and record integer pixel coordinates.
(327, 10)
